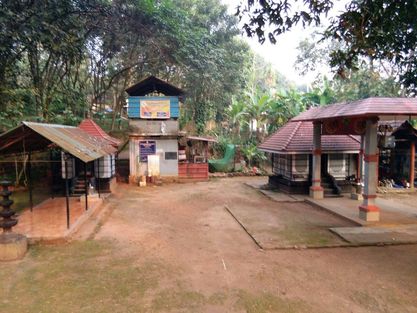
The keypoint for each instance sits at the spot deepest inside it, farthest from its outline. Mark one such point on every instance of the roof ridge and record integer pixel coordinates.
(95, 130)
(96, 126)
(292, 134)
(48, 124)
(354, 138)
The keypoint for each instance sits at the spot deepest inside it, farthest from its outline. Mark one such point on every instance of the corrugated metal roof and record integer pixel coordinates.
(208, 139)
(297, 137)
(376, 106)
(37, 136)
(91, 127)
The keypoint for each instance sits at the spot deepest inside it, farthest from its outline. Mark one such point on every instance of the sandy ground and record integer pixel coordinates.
(186, 228)
(406, 197)
(175, 248)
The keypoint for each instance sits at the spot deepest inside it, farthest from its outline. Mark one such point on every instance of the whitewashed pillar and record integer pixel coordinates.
(133, 157)
(368, 211)
(316, 191)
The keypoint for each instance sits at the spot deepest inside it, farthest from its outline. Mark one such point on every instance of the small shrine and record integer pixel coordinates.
(360, 118)
(157, 147)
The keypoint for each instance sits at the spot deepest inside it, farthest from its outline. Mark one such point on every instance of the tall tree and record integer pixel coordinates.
(381, 30)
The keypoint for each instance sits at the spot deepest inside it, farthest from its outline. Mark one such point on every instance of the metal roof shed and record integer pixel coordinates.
(35, 137)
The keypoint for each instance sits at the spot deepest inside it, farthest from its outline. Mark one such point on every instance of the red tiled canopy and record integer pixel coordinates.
(297, 137)
(376, 106)
(90, 127)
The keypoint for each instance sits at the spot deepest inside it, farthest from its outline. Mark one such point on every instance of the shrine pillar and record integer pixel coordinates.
(368, 211)
(316, 191)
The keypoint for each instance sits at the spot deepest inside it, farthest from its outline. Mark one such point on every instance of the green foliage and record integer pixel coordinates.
(279, 15)
(219, 147)
(252, 155)
(365, 83)
(75, 57)
(375, 30)
(369, 80)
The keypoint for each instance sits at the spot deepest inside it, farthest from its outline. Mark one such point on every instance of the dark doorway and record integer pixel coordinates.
(324, 163)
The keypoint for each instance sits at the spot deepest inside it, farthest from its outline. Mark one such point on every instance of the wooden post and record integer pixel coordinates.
(30, 181)
(86, 186)
(412, 164)
(98, 177)
(67, 190)
(51, 168)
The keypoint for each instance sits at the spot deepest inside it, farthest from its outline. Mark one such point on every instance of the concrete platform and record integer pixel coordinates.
(48, 222)
(393, 213)
(397, 225)
(378, 235)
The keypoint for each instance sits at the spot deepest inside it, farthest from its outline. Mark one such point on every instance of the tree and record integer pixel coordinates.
(372, 79)
(381, 30)
(50, 35)
(236, 114)
(62, 59)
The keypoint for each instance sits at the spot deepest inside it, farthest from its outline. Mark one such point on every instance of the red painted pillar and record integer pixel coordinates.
(368, 210)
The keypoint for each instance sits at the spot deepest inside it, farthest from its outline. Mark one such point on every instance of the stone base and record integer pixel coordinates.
(12, 246)
(356, 196)
(316, 193)
(369, 213)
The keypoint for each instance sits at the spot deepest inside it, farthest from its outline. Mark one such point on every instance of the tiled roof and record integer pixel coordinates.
(297, 137)
(89, 126)
(376, 106)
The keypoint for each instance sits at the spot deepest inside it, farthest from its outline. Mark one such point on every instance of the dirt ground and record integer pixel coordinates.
(401, 197)
(175, 248)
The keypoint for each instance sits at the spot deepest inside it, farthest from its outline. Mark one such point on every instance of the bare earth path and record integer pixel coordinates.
(175, 248)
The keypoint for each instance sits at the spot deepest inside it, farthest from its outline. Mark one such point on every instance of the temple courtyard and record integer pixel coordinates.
(218, 246)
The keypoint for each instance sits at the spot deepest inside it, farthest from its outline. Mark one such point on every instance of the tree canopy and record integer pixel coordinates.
(63, 60)
(379, 30)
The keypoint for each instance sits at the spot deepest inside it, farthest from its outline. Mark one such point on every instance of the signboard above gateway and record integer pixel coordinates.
(155, 109)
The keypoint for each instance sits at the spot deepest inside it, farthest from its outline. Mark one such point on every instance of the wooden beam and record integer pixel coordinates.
(12, 142)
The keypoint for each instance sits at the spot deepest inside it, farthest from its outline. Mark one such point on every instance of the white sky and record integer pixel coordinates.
(283, 54)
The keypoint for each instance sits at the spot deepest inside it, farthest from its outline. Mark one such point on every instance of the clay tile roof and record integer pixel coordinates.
(297, 137)
(90, 127)
(376, 106)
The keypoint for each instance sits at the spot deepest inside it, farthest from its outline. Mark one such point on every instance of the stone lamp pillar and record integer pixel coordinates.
(12, 246)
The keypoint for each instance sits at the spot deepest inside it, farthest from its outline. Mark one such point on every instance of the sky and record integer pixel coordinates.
(283, 54)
